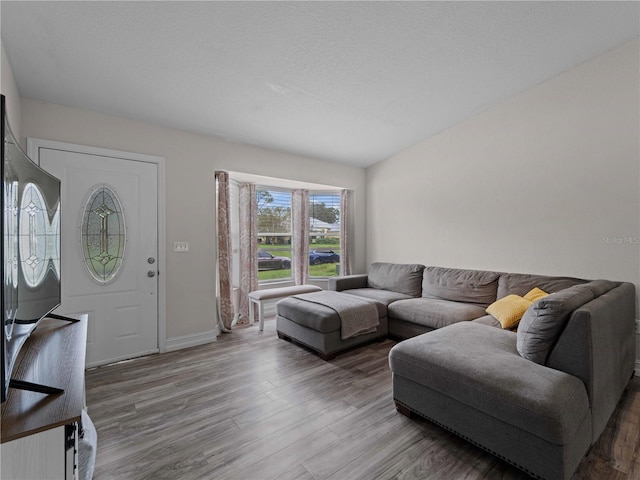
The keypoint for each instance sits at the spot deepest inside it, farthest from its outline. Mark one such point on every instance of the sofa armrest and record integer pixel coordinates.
(598, 347)
(348, 282)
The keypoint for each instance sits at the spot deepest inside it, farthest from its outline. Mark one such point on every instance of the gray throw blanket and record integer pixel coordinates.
(357, 315)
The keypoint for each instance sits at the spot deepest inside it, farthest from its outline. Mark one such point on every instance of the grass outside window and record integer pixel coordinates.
(322, 270)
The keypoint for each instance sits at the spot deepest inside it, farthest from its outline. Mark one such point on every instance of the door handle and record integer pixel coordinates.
(151, 273)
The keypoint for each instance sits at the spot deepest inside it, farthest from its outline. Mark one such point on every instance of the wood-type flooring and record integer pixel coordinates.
(252, 406)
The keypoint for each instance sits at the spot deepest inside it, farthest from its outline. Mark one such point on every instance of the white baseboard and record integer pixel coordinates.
(186, 341)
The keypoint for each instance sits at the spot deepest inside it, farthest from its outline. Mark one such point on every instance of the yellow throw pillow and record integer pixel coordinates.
(535, 294)
(509, 310)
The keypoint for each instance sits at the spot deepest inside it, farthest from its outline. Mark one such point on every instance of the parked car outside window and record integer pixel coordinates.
(316, 257)
(267, 261)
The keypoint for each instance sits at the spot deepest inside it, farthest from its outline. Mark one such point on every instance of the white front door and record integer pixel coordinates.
(109, 254)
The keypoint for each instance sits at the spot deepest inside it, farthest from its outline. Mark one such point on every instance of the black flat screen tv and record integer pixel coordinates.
(30, 248)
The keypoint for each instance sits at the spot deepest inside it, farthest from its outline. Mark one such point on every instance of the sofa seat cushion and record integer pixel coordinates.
(488, 320)
(469, 286)
(397, 277)
(480, 367)
(383, 296)
(433, 313)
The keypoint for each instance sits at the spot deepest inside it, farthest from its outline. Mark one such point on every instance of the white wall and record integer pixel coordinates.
(547, 182)
(190, 164)
(9, 89)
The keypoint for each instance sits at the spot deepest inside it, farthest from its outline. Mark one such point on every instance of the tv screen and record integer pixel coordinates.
(31, 247)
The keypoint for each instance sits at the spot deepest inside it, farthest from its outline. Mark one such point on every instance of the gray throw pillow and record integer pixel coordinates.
(543, 322)
(397, 277)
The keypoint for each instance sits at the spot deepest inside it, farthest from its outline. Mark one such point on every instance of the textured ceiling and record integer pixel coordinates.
(350, 82)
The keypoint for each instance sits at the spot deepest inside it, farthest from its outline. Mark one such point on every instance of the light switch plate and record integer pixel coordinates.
(181, 247)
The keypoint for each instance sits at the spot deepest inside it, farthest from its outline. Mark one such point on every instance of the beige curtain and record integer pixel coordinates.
(248, 247)
(345, 261)
(223, 285)
(300, 232)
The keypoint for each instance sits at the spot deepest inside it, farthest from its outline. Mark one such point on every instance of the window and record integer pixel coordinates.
(324, 234)
(274, 234)
(275, 229)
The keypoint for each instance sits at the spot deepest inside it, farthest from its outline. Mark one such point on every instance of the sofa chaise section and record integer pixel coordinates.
(471, 380)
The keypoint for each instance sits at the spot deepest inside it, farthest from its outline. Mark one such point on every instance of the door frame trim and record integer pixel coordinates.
(33, 151)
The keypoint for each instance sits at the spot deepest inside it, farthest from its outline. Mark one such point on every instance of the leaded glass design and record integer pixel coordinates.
(10, 239)
(53, 238)
(33, 230)
(103, 234)
(10, 244)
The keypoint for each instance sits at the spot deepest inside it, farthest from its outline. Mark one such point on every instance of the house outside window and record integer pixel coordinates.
(274, 234)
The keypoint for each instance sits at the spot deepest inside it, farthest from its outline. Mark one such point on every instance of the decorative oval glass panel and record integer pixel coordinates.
(103, 234)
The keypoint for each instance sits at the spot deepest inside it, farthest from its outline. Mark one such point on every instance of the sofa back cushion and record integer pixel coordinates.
(521, 283)
(600, 287)
(470, 286)
(398, 277)
(544, 321)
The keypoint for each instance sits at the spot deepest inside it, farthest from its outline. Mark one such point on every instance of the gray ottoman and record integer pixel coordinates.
(318, 327)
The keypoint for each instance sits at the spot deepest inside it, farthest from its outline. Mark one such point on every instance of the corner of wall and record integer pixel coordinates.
(9, 89)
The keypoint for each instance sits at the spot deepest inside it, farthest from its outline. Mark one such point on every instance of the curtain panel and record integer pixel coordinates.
(345, 261)
(248, 248)
(223, 285)
(300, 233)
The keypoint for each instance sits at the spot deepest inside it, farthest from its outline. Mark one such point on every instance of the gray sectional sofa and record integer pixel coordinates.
(537, 396)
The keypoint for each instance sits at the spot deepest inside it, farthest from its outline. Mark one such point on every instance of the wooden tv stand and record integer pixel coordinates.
(36, 427)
